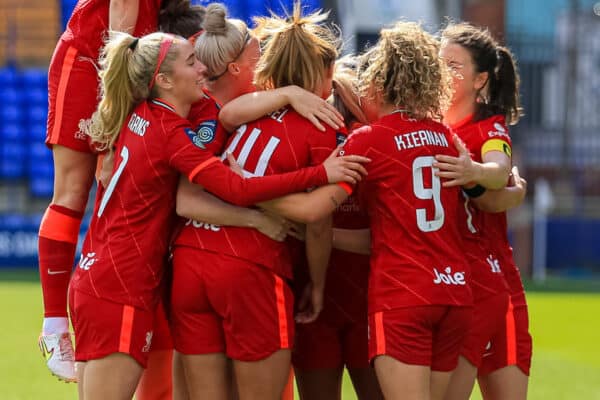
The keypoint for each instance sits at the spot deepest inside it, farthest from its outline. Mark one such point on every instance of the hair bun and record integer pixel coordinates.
(215, 19)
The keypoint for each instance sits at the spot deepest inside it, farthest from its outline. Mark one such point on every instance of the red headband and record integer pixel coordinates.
(192, 39)
(165, 45)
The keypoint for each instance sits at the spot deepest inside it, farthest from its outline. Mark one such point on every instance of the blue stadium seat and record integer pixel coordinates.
(10, 132)
(36, 114)
(41, 186)
(8, 77)
(10, 114)
(36, 132)
(10, 95)
(12, 160)
(37, 97)
(34, 78)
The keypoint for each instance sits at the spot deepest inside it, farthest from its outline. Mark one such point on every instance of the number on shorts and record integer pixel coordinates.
(423, 193)
(113, 181)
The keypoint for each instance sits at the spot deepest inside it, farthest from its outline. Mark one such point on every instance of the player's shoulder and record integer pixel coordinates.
(493, 127)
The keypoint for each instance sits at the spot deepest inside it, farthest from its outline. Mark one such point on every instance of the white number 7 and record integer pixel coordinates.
(113, 181)
(423, 193)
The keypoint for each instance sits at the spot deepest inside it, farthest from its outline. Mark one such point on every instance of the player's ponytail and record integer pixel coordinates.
(127, 73)
(298, 50)
(504, 87)
(222, 41)
(500, 95)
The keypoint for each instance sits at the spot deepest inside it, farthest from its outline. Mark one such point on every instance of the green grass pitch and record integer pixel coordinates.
(565, 327)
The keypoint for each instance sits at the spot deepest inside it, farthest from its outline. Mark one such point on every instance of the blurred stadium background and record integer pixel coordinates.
(557, 144)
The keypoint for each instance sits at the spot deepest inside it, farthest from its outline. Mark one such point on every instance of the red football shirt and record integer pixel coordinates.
(204, 117)
(486, 241)
(416, 247)
(87, 28)
(122, 256)
(280, 142)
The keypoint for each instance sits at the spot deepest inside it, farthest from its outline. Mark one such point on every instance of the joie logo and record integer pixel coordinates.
(200, 224)
(449, 278)
(85, 263)
(494, 264)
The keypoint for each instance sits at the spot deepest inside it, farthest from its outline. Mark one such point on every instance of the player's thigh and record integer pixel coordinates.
(365, 383)
(320, 383)
(462, 381)
(264, 379)
(113, 377)
(399, 380)
(506, 383)
(208, 376)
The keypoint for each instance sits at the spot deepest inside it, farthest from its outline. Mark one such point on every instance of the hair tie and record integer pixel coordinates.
(133, 44)
(165, 45)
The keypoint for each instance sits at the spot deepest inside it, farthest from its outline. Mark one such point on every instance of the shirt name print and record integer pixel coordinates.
(138, 125)
(420, 138)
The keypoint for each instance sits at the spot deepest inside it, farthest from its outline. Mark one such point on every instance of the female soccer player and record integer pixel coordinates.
(486, 100)
(282, 141)
(148, 86)
(73, 93)
(419, 298)
(338, 338)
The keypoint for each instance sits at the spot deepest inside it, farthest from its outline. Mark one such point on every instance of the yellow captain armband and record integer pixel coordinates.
(496, 145)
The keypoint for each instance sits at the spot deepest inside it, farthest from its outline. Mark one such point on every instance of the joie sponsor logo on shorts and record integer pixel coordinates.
(447, 277)
(86, 262)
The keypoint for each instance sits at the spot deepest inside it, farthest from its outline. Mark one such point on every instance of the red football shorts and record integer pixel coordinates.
(324, 344)
(512, 345)
(72, 98)
(103, 328)
(161, 339)
(488, 320)
(423, 335)
(223, 304)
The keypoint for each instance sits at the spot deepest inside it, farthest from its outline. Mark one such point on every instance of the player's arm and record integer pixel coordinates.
(123, 15)
(503, 199)
(492, 173)
(318, 249)
(310, 207)
(352, 240)
(196, 204)
(252, 106)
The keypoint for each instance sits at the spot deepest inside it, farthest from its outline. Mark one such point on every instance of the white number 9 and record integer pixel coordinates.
(423, 193)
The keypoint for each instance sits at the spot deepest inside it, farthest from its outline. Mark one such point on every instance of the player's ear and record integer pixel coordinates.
(163, 81)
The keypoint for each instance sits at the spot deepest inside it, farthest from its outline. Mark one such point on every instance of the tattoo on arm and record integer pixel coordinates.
(334, 201)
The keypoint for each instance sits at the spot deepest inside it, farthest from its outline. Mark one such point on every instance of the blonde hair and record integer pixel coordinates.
(127, 66)
(405, 68)
(297, 50)
(345, 97)
(222, 42)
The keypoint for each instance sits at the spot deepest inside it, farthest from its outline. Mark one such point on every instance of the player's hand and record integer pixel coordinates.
(314, 108)
(272, 226)
(459, 171)
(345, 168)
(106, 169)
(234, 166)
(310, 305)
(519, 184)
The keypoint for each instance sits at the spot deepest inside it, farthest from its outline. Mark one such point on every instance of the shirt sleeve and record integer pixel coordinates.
(357, 143)
(495, 137)
(203, 168)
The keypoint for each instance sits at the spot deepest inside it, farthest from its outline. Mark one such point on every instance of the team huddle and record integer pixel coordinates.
(265, 205)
